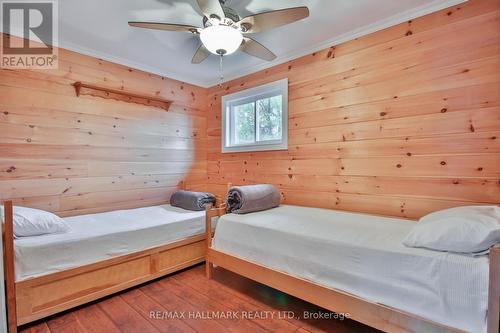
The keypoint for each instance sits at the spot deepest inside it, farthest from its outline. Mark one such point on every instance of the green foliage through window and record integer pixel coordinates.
(244, 120)
(269, 115)
(258, 121)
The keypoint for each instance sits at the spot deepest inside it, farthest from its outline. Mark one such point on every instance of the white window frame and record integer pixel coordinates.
(279, 87)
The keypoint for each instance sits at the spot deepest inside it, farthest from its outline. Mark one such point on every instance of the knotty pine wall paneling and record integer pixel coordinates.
(75, 155)
(400, 122)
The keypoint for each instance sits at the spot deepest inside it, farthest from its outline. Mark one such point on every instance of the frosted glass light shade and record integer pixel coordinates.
(221, 39)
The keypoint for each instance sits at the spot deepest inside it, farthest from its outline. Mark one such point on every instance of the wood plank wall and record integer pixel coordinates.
(400, 122)
(75, 155)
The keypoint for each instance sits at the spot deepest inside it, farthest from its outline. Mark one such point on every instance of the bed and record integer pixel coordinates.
(102, 236)
(345, 262)
(102, 254)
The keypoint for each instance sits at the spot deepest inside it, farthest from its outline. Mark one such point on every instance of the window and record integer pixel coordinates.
(256, 119)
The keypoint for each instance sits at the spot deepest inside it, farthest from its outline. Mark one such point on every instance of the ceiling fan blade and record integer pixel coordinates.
(276, 18)
(211, 7)
(164, 26)
(256, 49)
(201, 54)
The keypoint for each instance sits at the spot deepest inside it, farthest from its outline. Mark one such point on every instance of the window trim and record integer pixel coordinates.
(251, 95)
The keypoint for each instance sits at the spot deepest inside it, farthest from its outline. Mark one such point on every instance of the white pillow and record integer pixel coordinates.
(34, 222)
(468, 229)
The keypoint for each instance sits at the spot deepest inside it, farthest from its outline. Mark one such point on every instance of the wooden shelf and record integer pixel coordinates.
(120, 95)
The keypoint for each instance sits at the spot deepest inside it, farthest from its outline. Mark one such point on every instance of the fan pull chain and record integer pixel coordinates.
(221, 72)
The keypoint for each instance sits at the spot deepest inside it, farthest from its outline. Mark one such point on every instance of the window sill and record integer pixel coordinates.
(254, 148)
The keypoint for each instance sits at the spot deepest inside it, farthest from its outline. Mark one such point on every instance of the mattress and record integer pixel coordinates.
(101, 236)
(362, 255)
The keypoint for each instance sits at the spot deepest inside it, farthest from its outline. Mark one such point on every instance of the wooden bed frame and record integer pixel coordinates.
(370, 313)
(39, 297)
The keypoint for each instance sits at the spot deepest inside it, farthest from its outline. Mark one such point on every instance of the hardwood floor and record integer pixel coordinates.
(187, 302)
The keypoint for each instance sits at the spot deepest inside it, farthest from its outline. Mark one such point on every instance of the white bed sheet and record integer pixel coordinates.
(362, 255)
(101, 236)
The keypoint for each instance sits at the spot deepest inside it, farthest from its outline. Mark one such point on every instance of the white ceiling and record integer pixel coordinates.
(99, 28)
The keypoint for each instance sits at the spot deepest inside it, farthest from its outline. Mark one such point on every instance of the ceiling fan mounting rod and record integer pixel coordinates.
(221, 77)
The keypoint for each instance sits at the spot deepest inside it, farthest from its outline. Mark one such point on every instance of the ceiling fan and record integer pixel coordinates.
(224, 32)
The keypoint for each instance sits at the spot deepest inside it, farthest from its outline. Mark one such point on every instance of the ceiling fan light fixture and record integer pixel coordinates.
(223, 31)
(221, 39)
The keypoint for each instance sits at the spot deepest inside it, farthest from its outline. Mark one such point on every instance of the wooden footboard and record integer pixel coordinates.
(39, 297)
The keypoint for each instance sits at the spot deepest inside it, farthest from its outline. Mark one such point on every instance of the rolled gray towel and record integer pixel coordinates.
(192, 200)
(252, 198)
